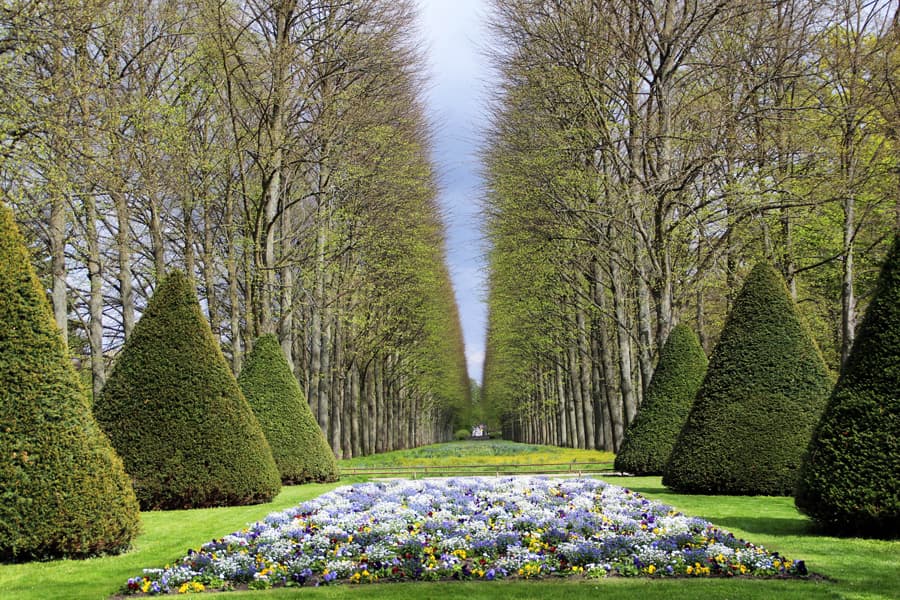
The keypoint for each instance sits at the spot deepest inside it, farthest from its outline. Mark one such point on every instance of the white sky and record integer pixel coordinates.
(453, 32)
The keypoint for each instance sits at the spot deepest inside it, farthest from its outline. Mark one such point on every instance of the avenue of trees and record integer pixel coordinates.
(643, 156)
(276, 151)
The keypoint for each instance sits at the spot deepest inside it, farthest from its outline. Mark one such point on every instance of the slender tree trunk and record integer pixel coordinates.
(564, 437)
(95, 302)
(336, 388)
(368, 416)
(190, 266)
(356, 441)
(209, 265)
(848, 299)
(381, 431)
(157, 240)
(604, 343)
(325, 399)
(234, 298)
(58, 265)
(577, 397)
(286, 324)
(628, 404)
(645, 329)
(123, 249)
(584, 359)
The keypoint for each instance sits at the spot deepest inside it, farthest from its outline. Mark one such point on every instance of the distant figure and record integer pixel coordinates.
(478, 431)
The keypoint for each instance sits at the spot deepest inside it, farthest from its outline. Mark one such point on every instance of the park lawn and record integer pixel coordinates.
(854, 568)
(486, 453)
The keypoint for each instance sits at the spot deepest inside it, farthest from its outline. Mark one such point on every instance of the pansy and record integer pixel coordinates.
(466, 528)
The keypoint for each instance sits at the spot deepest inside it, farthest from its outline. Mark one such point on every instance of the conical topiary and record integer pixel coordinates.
(297, 442)
(63, 490)
(762, 396)
(175, 413)
(850, 479)
(670, 395)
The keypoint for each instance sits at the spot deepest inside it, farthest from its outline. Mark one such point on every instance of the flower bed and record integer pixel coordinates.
(466, 528)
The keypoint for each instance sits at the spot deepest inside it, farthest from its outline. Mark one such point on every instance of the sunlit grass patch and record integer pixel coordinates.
(487, 452)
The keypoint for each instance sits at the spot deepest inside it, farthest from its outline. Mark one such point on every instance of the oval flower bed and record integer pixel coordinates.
(466, 528)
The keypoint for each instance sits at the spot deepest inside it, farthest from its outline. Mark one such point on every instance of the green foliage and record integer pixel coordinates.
(297, 442)
(850, 481)
(63, 490)
(461, 434)
(762, 396)
(175, 413)
(649, 439)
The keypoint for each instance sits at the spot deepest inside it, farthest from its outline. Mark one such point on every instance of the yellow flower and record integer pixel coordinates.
(191, 587)
(651, 569)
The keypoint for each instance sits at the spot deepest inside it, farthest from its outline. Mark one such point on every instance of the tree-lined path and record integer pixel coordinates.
(241, 248)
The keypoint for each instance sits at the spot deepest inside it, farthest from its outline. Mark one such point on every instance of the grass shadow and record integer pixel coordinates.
(768, 525)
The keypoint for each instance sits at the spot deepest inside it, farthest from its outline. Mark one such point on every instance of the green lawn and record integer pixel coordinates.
(487, 453)
(855, 568)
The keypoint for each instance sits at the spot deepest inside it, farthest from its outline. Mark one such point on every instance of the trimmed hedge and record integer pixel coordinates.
(649, 439)
(763, 394)
(63, 490)
(850, 480)
(297, 442)
(175, 413)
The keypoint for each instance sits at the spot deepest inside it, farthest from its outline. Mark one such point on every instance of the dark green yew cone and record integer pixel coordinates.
(650, 436)
(850, 480)
(763, 393)
(297, 442)
(175, 413)
(63, 490)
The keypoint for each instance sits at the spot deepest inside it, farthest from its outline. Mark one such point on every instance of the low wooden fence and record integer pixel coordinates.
(416, 472)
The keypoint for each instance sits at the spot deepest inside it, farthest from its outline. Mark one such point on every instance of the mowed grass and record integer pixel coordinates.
(853, 568)
(487, 453)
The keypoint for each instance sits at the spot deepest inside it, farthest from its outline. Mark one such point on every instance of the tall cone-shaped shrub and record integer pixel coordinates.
(297, 442)
(762, 396)
(63, 490)
(175, 413)
(670, 395)
(850, 479)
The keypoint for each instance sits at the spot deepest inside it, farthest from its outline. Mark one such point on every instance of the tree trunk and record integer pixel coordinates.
(848, 299)
(95, 302)
(577, 396)
(123, 248)
(234, 298)
(157, 240)
(645, 330)
(58, 265)
(209, 266)
(628, 404)
(584, 359)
